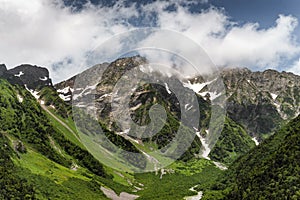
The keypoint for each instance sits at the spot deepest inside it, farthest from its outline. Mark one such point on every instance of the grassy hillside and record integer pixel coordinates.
(42, 157)
(38, 160)
(232, 143)
(179, 178)
(12, 186)
(270, 171)
(50, 96)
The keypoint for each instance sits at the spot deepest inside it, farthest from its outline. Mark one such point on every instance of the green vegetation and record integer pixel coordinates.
(26, 121)
(82, 156)
(12, 186)
(232, 143)
(42, 157)
(58, 127)
(39, 161)
(72, 188)
(176, 183)
(152, 94)
(270, 171)
(50, 96)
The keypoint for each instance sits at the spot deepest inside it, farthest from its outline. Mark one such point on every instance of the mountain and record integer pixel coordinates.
(44, 156)
(261, 101)
(33, 77)
(258, 102)
(65, 88)
(270, 171)
(2, 69)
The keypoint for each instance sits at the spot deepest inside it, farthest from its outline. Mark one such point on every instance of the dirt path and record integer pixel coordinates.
(152, 160)
(61, 122)
(109, 193)
(195, 197)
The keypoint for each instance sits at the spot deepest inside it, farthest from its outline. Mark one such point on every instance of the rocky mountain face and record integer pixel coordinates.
(112, 103)
(33, 77)
(259, 101)
(2, 69)
(108, 99)
(65, 88)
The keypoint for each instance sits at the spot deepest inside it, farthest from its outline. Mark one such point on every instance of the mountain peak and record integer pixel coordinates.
(3, 69)
(31, 76)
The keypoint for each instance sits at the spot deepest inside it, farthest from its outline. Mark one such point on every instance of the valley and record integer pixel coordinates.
(47, 154)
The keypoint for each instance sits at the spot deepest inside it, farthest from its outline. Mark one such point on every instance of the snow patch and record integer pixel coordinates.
(20, 98)
(136, 107)
(104, 96)
(33, 93)
(142, 68)
(88, 92)
(220, 165)
(196, 87)
(255, 140)
(206, 150)
(274, 96)
(85, 91)
(80, 105)
(65, 98)
(195, 197)
(188, 107)
(167, 88)
(44, 78)
(64, 90)
(284, 116)
(212, 95)
(92, 87)
(20, 74)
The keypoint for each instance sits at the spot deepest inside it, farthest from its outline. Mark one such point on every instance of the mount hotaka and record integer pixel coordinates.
(256, 155)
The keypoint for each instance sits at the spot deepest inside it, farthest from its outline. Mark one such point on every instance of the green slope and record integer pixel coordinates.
(179, 178)
(270, 171)
(39, 159)
(12, 186)
(51, 97)
(232, 143)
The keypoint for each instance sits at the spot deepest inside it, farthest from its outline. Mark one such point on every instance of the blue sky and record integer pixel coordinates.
(264, 12)
(59, 34)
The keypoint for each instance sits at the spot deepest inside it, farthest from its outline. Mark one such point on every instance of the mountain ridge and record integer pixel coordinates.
(31, 76)
(254, 94)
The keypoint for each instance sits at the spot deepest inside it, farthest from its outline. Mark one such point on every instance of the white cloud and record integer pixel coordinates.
(250, 46)
(295, 68)
(228, 43)
(46, 33)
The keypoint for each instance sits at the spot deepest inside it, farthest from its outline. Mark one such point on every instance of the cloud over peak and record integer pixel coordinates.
(47, 33)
